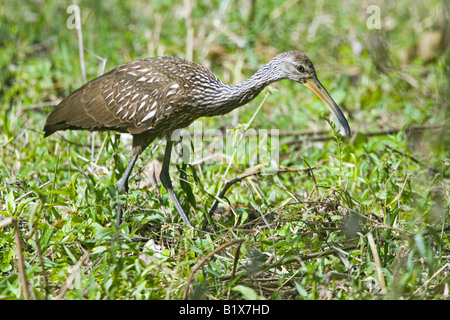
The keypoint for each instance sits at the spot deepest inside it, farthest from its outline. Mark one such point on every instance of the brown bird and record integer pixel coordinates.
(151, 97)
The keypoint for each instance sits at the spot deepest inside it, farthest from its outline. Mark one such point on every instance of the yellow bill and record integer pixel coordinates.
(317, 88)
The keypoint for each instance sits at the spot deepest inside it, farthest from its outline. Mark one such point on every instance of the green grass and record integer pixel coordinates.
(342, 212)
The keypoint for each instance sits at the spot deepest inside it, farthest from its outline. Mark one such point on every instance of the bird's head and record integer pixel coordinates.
(295, 65)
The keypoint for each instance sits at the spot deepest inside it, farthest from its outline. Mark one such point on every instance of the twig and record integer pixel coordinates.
(399, 195)
(209, 255)
(70, 279)
(307, 257)
(300, 258)
(80, 45)
(236, 258)
(221, 195)
(384, 186)
(38, 248)
(40, 105)
(6, 222)
(20, 259)
(41, 260)
(376, 258)
(30, 192)
(286, 6)
(404, 155)
(233, 37)
(323, 137)
(190, 30)
(102, 60)
(447, 265)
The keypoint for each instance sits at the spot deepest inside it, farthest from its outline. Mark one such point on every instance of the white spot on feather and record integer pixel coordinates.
(109, 95)
(149, 115)
(132, 115)
(142, 104)
(154, 105)
(134, 97)
(171, 92)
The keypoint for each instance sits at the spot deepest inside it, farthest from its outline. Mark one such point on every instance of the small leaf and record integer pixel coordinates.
(247, 293)
(10, 203)
(301, 290)
(99, 249)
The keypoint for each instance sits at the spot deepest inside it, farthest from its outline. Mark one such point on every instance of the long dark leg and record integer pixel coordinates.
(123, 182)
(165, 180)
(123, 185)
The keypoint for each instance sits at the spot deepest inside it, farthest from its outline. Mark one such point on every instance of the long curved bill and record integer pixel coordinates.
(317, 88)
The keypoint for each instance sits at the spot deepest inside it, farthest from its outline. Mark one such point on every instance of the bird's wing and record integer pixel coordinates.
(138, 96)
(141, 93)
(92, 107)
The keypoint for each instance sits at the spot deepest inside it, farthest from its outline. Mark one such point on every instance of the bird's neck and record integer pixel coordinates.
(243, 92)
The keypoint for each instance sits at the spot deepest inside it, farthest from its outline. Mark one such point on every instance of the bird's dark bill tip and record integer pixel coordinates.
(318, 89)
(347, 130)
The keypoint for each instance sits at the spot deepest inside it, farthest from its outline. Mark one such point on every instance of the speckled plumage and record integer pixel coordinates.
(150, 98)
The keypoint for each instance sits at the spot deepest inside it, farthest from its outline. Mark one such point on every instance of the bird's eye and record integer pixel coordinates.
(300, 68)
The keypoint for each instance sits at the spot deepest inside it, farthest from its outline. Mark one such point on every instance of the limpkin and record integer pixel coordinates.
(151, 97)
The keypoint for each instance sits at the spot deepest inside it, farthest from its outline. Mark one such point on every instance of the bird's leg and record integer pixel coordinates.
(165, 180)
(123, 181)
(123, 185)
